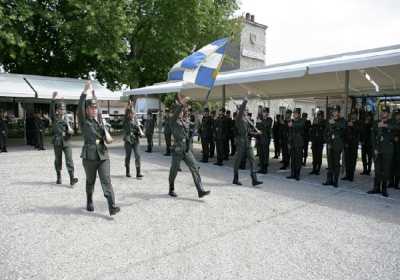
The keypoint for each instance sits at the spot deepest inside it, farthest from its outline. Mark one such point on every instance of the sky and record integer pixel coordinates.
(299, 29)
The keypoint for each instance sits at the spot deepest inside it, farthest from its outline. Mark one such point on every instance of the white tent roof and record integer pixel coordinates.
(12, 85)
(316, 77)
(69, 89)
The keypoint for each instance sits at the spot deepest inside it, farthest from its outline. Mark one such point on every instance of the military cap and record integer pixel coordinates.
(336, 108)
(320, 113)
(265, 110)
(222, 110)
(288, 112)
(91, 102)
(206, 110)
(60, 106)
(385, 109)
(297, 110)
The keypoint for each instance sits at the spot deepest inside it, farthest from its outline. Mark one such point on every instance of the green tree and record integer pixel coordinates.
(132, 42)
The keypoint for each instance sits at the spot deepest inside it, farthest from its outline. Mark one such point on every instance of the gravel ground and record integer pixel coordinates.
(283, 230)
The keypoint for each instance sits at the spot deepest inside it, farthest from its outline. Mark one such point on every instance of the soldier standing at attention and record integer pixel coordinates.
(149, 131)
(231, 137)
(277, 138)
(62, 133)
(131, 132)
(219, 136)
(265, 140)
(167, 133)
(351, 139)
(396, 156)
(243, 144)
(366, 144)
(317, 141)
(307, 127)
(334, 146)
(383, 147)
(39, 131)
(95, 158)
(212, 145)
(296, 144)
(206, 134)
(181, 149)
(284, 130)
(3, 133)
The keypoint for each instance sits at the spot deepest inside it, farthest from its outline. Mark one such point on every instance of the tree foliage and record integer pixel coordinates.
(132, 42)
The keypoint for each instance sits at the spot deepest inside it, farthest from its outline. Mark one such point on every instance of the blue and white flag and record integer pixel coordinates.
(201, 67)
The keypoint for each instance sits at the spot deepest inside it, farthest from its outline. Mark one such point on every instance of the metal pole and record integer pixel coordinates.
(347, 89)
(159, 122)
(108, 106)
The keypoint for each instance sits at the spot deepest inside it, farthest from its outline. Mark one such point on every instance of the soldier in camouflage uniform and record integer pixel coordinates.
(395, 176)
(367, 153)
(3, 133)
(296, 144)
(334, 146)
(181, 149)
(62, 133)
(351, 140)
(383, 147)
(244, 128)
(131, 134)
(265, 127)
(95, 158)
(317, 141)
(284, 133)
(149, 130)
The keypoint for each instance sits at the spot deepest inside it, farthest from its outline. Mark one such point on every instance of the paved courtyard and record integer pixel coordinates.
(283, 230)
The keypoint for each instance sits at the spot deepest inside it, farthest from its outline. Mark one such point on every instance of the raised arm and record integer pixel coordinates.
(242, 107)
(81, 105)
(181, 102)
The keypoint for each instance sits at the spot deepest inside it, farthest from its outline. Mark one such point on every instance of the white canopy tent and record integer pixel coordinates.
(42, 87)
(335, 76)
(12, 85)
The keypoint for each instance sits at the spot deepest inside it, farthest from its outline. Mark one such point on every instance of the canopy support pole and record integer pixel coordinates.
(347, 89)
(159, 122)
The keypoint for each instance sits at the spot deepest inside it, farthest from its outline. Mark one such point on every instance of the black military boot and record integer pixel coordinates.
(58, 178)
(336, 181)
(297, 175)
(89, 203)
(172, 191)
(262, 170)
(254, 180)
(72, 179)
(236, 179)
(328, 180)
(111, 206)
(138, 174)
(384, 189)
(376, 188)
(128, 171)
(200, 191)
(396, 182)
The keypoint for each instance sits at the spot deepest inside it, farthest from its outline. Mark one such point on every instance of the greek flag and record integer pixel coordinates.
(201, 67)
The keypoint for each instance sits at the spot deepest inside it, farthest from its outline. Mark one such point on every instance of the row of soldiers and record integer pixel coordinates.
(292, 134)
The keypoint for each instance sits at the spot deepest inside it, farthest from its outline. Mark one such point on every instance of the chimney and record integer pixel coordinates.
(248, 17)
(252, 18)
